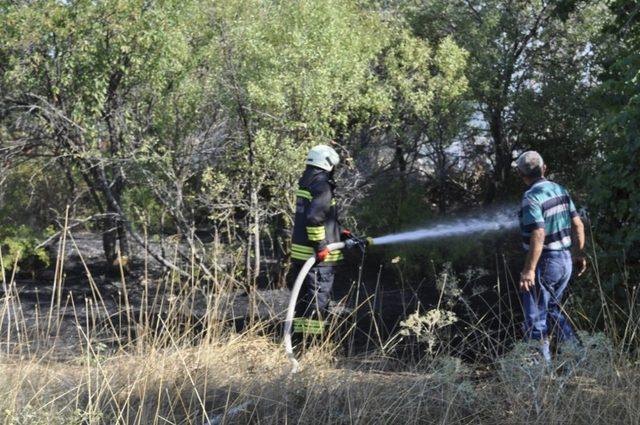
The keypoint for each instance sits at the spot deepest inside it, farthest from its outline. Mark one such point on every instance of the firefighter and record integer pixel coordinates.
(316, 225)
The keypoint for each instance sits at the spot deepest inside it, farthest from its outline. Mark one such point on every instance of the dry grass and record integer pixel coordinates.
(199, 384)
(163, 374)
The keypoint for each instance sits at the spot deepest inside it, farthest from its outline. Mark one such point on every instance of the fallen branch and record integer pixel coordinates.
(54, 238)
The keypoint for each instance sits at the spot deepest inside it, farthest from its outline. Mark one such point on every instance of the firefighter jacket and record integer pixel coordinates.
(316, 222)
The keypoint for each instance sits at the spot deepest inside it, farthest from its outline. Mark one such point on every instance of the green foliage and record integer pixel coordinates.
(289, 75)
(300, 67)
(200, 113)
(145, 208)
(615, 198)
(532, 67)
(385, 210)
(191, 108)
(78, 49)
(422, 83)
(19, 246)
(91, 84)
(29, 195)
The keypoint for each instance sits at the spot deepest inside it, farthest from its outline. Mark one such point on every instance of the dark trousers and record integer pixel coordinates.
(315, 293)
(543, 303)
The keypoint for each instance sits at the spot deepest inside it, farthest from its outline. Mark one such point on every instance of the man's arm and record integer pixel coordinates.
(528, 275)
(316, 216)
(577, 243)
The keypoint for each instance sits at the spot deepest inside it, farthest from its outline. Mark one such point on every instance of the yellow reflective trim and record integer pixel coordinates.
(302, 248)
(308, 326)
(315, 233)
(301, 252)
(333, 202)
(304, 194)
(298, 256)
(308, 322)
(304, 257)
(334, 256)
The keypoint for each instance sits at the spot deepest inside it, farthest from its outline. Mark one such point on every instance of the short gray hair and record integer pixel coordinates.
(530, 164)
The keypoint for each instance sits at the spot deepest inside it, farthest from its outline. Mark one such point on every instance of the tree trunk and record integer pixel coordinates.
(114, 238)
(441, 178)
(255, 236)
(117, 256)
(402, 171)
(109, 233)
(282, 249)
(498, 183)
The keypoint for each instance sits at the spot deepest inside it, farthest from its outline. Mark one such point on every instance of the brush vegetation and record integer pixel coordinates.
(173, 133)
(160, 362)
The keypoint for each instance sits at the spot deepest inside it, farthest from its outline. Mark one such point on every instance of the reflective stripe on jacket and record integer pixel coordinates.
(316, 222)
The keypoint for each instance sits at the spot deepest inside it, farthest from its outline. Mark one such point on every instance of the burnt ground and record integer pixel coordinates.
(94, 304)
(38, 313)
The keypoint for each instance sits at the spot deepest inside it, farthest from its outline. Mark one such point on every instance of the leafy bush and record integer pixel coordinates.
(19, 246)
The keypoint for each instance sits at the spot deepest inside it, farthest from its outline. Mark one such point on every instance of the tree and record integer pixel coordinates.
(531, 66)
(614, 195)
(80, 84)
(290, 75)
(427, 88)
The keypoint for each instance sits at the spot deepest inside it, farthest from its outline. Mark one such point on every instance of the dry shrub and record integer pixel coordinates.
(165, 375)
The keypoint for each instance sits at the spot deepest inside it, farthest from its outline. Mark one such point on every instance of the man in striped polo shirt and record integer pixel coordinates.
(551, 228)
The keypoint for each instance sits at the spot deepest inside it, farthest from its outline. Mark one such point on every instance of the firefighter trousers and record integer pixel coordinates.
(315, 293)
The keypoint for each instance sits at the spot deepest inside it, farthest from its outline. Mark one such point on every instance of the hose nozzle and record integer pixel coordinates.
(354, 242)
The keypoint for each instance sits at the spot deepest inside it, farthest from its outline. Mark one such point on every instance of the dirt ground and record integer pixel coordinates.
(43, 312)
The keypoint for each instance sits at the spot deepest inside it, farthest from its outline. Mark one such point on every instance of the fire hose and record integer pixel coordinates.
(352, 242)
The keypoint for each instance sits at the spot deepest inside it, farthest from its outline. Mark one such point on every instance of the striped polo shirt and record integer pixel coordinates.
(547, 205)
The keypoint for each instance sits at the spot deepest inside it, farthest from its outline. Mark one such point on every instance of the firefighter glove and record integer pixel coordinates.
(322, 254)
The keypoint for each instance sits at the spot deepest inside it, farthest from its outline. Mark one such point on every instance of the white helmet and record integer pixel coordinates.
(323, 156)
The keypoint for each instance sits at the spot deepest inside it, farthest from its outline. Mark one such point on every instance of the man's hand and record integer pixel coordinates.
(527, 280)
(321, 255)
(580, 263)
(528, 275)
(577, 240)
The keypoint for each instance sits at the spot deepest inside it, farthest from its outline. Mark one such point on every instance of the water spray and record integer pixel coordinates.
(490, 223)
